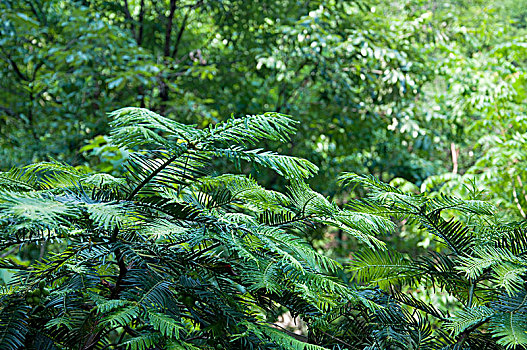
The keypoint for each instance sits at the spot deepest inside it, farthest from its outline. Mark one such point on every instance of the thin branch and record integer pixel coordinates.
(200, 252)
(43, 247)
(123, 269)
(337, 339)
(471, 293)
(180, 34)
(15, 267)
(466, 333)
(183, 25)
(119, 257)
(298, 337)
(7, 111)
(437, 227)
(37, 67)
(9, 252)
(13, 65)
(35, 12)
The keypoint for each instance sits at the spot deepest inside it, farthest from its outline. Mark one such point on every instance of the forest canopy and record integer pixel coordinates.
(268, 174)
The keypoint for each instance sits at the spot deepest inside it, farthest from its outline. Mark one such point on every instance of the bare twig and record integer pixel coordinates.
(455, 154)
(9, 252)
(516, 199)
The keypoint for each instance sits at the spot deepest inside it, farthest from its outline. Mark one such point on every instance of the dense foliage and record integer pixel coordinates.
(479, 271)
(181, 254)
(169, 224)
(176, 254)
(346, 69)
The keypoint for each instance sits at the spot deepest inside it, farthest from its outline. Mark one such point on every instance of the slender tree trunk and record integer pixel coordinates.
(168, 30)
(455, 154)
(163, 87)
(163, 94)
(141, 24)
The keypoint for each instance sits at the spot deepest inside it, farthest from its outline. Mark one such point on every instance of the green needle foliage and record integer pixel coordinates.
(178, 254)
(185, 251)
(481, 269)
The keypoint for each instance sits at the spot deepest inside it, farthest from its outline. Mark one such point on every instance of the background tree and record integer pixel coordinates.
(480, 94)
(350, 73)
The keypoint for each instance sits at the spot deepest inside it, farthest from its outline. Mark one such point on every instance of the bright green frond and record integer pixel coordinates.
(308, 202)
(468, 317)
(104, 180)
(138, 126)
(16, 180)
(473, 266)
(166, 325)
(383, 268)
(252, 128)
(41, 209)
(53, 174)
(477, 207)
(106, 306)
(510, 329)
(365, 222)
(266, 278)
(142, 342)
(369, 181)
(287, 166)
(245, 189)
(286, 341)
(510, 276)
(122, 316)
(109, 216)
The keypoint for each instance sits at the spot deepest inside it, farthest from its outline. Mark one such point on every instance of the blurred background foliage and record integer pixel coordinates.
(427, 94)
